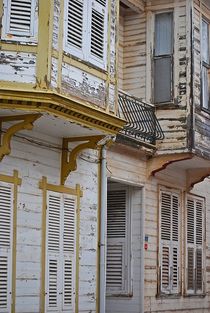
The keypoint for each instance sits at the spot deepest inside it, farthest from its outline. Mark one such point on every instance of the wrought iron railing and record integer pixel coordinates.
(142, 123)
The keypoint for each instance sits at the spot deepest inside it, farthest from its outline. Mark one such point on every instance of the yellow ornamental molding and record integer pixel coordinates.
(24, 122)
(69, 158)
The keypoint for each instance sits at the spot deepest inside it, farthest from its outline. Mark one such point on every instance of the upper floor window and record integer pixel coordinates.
(163, 57)
(19, 20)
(205, 65)
(86, 30)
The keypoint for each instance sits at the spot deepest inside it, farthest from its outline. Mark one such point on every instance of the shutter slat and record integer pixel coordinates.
(165, 216)
(116, 214)
(165, 267)
(69, 228)
(5, 216)
(114, 267)
(54, 207)
(53, 283)
(4, 282)
(97, 34)
(20, 17)
(67, 282)
(190, 269)
(199, 276)
(75, 23)
(190, 221)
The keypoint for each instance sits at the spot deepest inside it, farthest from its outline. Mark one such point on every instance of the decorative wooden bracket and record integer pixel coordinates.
(69, 158)
(160, 162)
(195, 176)
(26, 122)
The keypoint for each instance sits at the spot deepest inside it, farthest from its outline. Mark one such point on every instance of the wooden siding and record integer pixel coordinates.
(32, 162)
(202, 121)
(129, 166)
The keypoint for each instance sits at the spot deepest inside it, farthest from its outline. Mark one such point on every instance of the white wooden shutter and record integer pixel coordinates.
(68, 251)
(117, 240)
(6, 220)
(54, 210)
(169, 241)
(98, 32)
(19, 17)
(60, 252)
(195, 207)
(75, 27)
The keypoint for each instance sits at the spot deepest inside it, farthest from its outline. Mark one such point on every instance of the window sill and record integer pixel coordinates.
(168, 296)
(166, 105)
(201, 295)
(119, 295)
(89, 64)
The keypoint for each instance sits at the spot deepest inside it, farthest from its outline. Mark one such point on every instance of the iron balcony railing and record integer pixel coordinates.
(142, 123)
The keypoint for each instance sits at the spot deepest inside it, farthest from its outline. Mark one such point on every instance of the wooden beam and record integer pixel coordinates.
(160, 162)
(136, 5)
(195, 176)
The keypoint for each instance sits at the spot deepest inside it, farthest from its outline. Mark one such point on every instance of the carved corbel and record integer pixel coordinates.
(160, 162)
(195, 176)
(24, 122)
(69, 158)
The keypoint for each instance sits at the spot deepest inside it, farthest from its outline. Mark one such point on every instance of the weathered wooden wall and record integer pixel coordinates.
(202, 122)
(34, 161)
(20, 62)
(129, 166)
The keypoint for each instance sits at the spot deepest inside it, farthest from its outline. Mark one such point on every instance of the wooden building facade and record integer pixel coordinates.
(88, 87)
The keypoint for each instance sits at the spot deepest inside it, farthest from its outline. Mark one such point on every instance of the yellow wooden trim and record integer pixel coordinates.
(78, 189)
(16, 86)
(69, 108)
(27, 121)
(60, 44)
(11, 179)
(17, 47)
(98, 236)
(58, 188)
(50, 41)
(1, 8)
(43, 256)
(69, 159)
(117, 55)
(107, 84)
(16, 181)
(43, 44)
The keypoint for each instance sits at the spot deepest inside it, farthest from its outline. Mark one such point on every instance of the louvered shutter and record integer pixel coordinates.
(6, 220)
(60, 252)
(75, 27)
(194, 248)
(53, 250)
(68, 251)
(20, 17)
(117, 240)
(169, 242)
(98, 32)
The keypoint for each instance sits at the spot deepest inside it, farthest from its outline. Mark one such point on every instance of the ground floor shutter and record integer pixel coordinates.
(6, 226)
(117, 240)
(169, 242)
(60, 252)
(195, 245)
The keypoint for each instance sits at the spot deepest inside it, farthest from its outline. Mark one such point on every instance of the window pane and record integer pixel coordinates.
(205, 41)
(163, 34)
(205, 88)
(162, 79)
